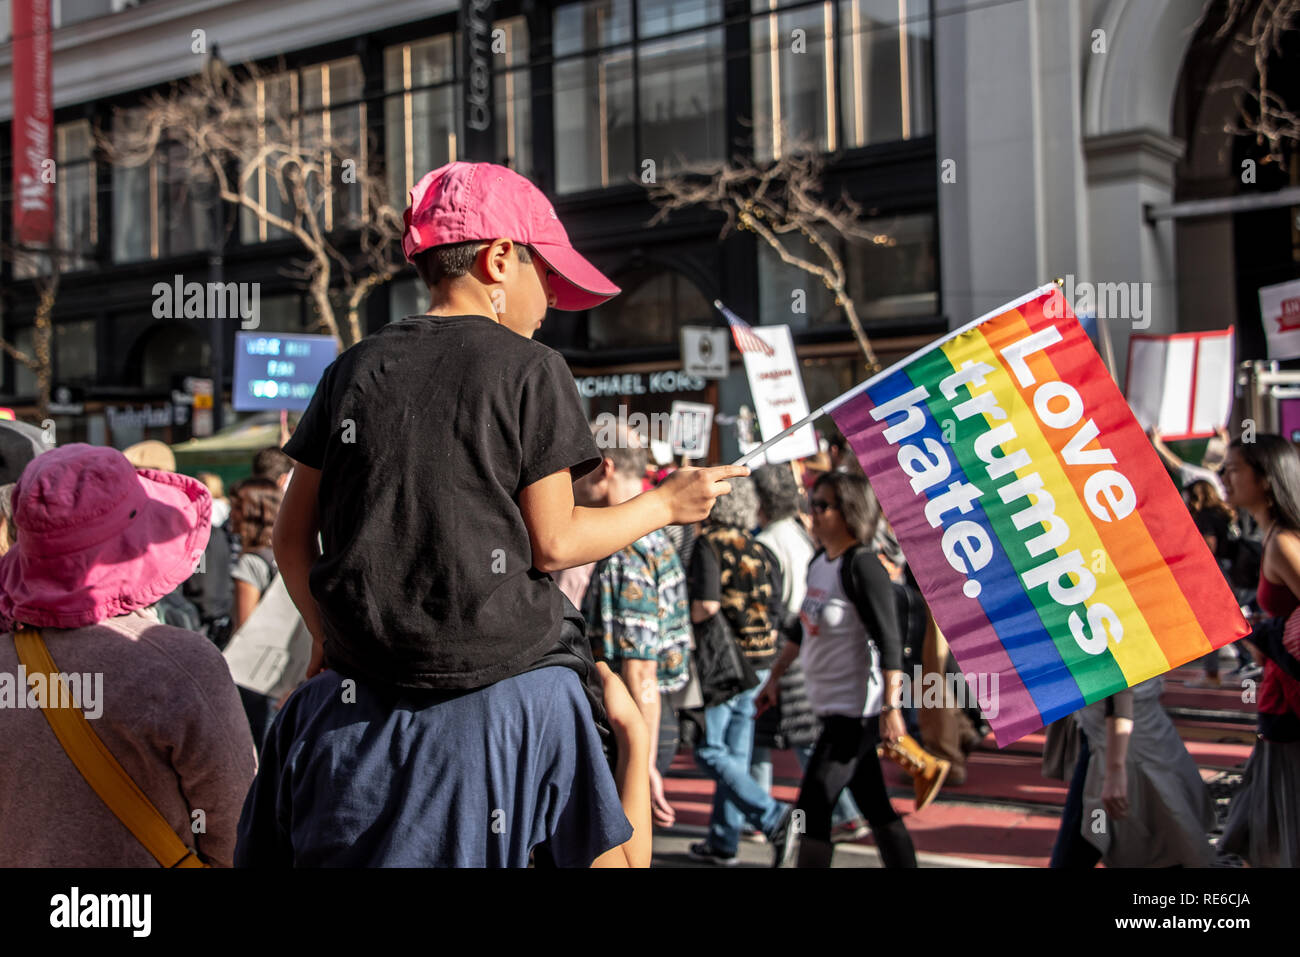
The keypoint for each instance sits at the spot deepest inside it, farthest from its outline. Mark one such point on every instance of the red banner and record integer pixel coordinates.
(33, 127)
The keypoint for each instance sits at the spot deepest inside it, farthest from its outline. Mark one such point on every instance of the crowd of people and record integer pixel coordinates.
(1130, 768)
(516, 626)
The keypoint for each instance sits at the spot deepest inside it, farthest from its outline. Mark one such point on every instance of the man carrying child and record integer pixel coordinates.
(461, 720)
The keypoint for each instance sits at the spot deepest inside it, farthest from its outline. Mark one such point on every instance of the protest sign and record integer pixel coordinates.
(270, 652)
(691, 428)
(779, 400)
(1181, 383)
(1279, 308)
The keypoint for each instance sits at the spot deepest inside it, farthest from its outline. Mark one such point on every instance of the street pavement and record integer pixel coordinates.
(1006, 814)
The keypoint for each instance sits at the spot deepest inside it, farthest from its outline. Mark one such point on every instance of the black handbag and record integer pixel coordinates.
(723, 668)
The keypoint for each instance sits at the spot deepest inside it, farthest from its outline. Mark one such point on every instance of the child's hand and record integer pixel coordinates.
(664, 814)
(691, 492)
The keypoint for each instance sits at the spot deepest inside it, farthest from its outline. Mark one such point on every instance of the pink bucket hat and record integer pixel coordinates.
(461, 202)
(98, 538)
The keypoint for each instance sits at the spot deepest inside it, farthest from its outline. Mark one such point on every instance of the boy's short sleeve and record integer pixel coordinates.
(307, 444)
(553, 431)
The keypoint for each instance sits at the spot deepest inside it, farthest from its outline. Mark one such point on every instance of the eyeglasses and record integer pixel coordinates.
(819, 506)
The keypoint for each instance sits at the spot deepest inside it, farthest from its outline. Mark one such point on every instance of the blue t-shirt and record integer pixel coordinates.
(357, 776)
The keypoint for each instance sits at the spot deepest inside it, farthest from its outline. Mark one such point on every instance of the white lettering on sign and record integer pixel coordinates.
(1059, 570)
(633, 383)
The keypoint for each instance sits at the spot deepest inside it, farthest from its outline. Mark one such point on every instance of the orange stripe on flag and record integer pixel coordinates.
(1129, 545)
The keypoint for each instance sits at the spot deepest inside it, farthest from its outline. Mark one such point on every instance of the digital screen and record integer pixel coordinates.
(279, 371)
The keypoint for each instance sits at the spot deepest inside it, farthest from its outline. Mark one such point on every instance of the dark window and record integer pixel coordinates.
(891, 273)
(654, 305)
(159, 210)
(423, 125)
(674, 104)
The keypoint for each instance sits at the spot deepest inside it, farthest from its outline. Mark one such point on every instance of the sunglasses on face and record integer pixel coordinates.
(820, 505)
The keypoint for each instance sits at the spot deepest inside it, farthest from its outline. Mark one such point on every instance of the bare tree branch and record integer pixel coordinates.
(241, 133)
(775, 201)
(1261, 112)
(49, 263)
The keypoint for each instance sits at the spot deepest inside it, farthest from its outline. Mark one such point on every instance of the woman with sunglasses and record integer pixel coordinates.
(846, 640)
(1263, 477)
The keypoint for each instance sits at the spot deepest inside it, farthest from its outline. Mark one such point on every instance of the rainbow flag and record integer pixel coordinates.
(1048, 539)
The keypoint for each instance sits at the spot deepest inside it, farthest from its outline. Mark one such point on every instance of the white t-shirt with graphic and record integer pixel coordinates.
(840, 665)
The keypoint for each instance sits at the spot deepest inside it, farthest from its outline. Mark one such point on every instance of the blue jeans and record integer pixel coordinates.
(724, 754)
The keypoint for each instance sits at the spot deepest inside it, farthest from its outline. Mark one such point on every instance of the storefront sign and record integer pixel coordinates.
(705, 352)
(65, 400)
(150, 417)
(33, 124)
(476, 29)
(634, 383)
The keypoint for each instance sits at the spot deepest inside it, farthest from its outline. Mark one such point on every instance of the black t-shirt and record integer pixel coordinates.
(1211, 521)
(425, 433)
(729, 567)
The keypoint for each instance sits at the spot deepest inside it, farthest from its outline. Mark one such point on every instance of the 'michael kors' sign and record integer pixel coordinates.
(476, 28)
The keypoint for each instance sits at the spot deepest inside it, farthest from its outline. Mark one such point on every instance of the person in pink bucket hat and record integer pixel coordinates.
(436, 461)
(99, 542)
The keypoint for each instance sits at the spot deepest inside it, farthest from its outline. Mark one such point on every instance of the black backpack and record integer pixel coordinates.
(178, 611)
(909, 605)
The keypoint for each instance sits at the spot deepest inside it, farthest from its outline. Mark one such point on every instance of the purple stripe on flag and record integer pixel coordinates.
(982, 650)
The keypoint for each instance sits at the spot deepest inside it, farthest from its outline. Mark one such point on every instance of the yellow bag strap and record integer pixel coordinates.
(98, 766)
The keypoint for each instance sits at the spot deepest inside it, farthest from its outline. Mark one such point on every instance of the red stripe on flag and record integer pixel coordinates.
(1166, 519)
(746, 340)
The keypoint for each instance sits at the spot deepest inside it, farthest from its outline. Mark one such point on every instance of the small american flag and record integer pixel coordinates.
(743, 333)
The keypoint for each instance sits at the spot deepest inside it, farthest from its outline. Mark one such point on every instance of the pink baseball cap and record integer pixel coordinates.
(98, 538)
(461, 202)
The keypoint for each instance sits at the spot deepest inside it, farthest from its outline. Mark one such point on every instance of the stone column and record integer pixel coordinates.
(1126, 172)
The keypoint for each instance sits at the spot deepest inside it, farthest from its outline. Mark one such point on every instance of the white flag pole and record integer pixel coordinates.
(835, 403)
(808, 419)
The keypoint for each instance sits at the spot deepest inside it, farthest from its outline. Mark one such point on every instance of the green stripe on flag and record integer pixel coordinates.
(1097, 675)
